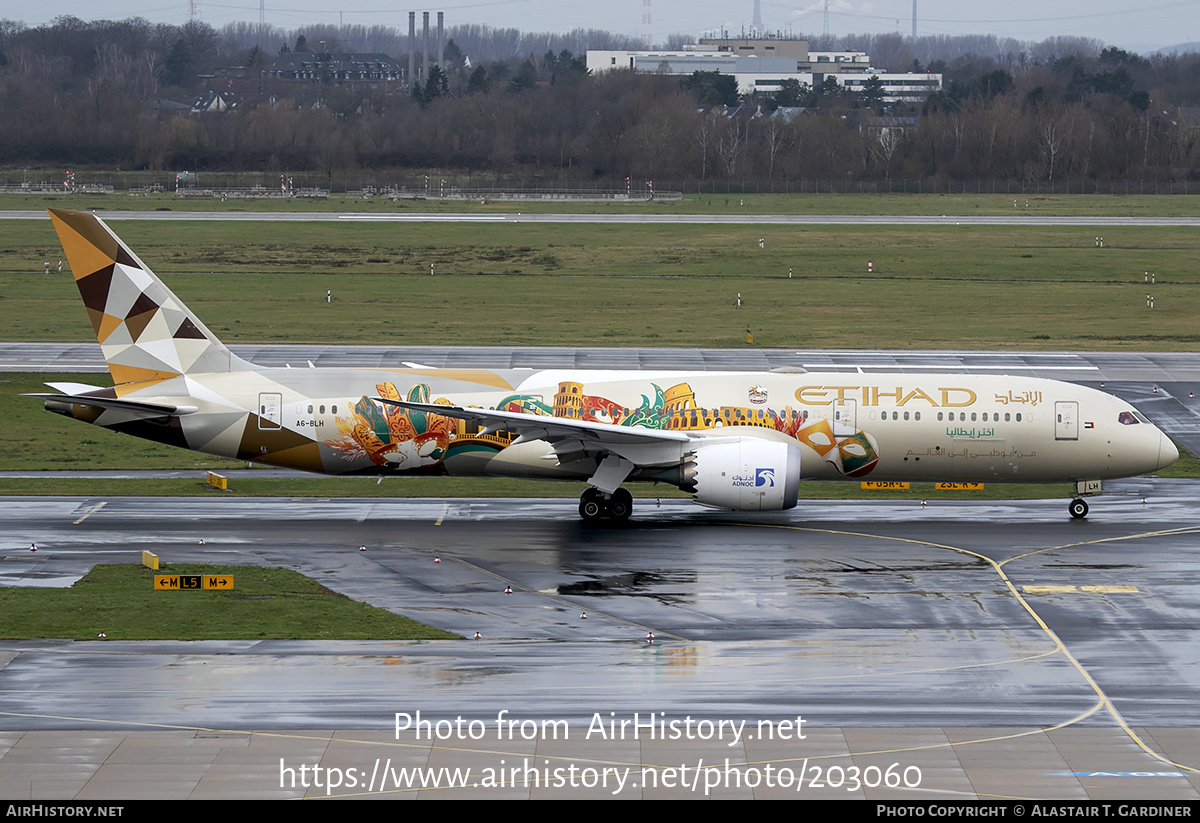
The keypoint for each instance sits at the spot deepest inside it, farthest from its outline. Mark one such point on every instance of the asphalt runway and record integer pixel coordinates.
(1143, 367)
(683, 219)
(982, 649)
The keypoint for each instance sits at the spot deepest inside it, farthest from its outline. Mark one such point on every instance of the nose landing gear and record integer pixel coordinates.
(1078, 508)
(595, 505)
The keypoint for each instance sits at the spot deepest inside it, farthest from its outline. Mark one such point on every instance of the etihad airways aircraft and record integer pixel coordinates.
(740, 441)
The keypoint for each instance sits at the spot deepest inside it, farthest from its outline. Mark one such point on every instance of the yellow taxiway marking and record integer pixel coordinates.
(445, 511)
(1105, 701)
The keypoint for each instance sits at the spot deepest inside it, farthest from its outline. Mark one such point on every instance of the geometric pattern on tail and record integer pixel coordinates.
(146, 334)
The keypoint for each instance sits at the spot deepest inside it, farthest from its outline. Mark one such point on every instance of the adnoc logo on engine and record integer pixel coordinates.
(764, 477)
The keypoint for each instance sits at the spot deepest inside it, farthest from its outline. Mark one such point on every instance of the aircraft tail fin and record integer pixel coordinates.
(146, 333)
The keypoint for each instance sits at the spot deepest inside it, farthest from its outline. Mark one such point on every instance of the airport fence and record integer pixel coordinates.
(609, 189)
(368, 183)
(537, 193)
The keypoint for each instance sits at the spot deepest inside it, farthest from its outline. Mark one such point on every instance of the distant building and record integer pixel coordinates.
(762, 63)
(839, 62)
(336, 68)
(220, 94)
(759, 47)
(909, 87)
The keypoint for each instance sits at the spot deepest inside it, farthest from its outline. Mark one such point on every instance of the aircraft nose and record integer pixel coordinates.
(1167, 453)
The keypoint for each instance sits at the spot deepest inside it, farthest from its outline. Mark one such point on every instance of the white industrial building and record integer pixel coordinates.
(761, 64)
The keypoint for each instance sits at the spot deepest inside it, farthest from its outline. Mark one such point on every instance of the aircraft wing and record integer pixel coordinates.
(618, 450)
(550, 429)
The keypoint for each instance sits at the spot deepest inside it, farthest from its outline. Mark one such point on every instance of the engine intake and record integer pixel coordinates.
(747, 475)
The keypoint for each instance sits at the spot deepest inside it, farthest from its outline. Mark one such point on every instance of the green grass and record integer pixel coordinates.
(980, 287)
(37, 440)
(1121, 205)
(267, 603)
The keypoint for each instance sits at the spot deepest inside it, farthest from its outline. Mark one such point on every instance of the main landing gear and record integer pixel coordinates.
(596, 505)
(1078, 508)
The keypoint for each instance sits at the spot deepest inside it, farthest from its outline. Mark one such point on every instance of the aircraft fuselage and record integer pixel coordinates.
(891, 427)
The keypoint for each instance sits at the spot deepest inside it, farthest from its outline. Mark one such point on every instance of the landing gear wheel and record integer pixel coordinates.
(591, 505)
(1078, 508)
(620, 506)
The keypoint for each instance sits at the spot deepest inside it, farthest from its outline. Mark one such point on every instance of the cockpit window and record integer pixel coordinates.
(1127, 419)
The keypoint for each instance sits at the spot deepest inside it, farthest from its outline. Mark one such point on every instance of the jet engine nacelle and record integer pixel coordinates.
(747, 475)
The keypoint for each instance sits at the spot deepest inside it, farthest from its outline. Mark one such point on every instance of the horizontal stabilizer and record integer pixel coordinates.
(138, 407)
(74, 388)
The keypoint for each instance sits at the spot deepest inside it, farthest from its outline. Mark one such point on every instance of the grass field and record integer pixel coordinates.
(120, 601)
(651, 285)
(1117, 205)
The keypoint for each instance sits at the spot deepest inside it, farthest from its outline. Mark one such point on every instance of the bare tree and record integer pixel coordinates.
(884, 146)
(731, 143)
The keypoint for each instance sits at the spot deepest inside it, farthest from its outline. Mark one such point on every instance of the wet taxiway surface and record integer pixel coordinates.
(999, 647)
(1071, 366)
(881, 624)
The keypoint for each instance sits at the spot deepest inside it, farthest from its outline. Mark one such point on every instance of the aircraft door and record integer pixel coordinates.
(270, 411)
(1066, 420)
(845, 417)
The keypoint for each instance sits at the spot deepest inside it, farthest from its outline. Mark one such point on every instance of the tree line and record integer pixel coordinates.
(509, 105)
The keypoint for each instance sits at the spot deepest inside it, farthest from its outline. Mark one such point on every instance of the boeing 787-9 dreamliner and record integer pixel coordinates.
(740, 441)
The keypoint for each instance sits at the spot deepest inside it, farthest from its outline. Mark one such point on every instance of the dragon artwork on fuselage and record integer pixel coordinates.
(404, 440)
